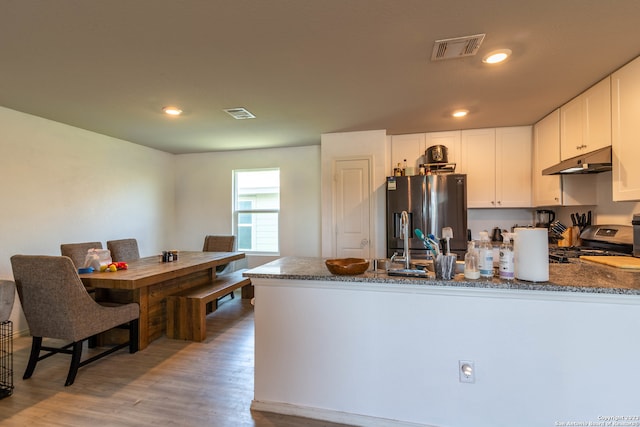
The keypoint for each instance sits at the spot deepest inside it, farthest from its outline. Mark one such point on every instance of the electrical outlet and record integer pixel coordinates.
(467, 371)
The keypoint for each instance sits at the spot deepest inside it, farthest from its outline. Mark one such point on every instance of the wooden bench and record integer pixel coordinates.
(187, 310)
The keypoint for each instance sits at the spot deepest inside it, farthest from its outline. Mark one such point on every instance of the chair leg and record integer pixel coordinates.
(75, 362)
(93, 341)
(231, 294)
(133, 336)
(36, 344)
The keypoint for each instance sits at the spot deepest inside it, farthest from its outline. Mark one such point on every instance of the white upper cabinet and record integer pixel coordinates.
(412, 147)
(556, 190)
(586, 121)
(450, 139)
(625, 85)
(478, 161)
(513, 167)
(409, 147)
(498, 165)
(546, 152)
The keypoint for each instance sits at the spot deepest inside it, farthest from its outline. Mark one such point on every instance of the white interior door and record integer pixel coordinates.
(352, 219)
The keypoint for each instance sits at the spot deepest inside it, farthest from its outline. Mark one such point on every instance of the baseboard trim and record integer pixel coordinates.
(329, 415)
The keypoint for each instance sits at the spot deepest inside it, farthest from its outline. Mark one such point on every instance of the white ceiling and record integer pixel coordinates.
(303, 67)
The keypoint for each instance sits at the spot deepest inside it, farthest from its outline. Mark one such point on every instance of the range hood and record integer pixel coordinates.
(593, 162)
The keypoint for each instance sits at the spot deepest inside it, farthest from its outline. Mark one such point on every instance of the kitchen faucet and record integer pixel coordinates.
(404, 235)
(406, 257)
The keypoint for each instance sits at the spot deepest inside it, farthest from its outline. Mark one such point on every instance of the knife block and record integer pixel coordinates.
(567, 238)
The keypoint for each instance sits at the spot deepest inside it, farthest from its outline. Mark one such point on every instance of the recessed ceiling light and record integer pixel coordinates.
(496, 56)
(460, 113)
(172, 111)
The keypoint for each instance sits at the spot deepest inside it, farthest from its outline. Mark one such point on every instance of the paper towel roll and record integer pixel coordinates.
(531, 254)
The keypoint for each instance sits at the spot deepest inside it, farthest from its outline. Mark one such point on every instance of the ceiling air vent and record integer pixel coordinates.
(457, 47)
(239, 113)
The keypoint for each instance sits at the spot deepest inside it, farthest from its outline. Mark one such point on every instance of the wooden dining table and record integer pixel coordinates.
(148, 281)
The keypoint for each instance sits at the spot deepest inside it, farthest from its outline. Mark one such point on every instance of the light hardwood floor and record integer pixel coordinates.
(170, 383)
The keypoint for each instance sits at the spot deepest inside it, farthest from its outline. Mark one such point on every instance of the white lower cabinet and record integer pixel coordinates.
(626, 132)
(498, 167)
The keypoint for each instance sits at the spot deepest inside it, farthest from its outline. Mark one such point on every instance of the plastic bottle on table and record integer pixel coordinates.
(506, 267)
(471, 270)
(485, 255)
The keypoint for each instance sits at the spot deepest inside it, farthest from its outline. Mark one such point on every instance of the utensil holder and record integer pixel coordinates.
(445, 266)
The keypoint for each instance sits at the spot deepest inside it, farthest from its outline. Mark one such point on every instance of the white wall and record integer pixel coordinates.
(62, 184)
(204, 197)
(370, 144)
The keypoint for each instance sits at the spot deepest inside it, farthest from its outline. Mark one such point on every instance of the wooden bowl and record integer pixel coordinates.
(347, 266)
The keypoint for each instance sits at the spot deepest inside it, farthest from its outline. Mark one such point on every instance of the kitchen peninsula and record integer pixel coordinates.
(379, 350)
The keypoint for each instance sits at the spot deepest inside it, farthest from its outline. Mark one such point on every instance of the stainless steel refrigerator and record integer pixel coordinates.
(432, 202)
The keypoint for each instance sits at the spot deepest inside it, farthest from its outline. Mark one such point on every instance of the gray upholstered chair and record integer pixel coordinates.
(78, 251)
(123, 250)
(57, 305)
(78, 254)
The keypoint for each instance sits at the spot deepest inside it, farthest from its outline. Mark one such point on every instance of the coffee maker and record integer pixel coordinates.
(544, 218)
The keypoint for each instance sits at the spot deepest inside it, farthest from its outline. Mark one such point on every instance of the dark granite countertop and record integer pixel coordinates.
(577, 276)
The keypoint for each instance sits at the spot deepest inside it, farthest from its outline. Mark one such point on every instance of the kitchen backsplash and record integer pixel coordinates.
(608, 211)
(605, 212)
(486, 219)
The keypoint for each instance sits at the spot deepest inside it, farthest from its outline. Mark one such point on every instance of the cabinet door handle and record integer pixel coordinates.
(499, 202)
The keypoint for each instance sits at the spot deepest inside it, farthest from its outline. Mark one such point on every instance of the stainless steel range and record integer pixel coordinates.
(597, 240)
